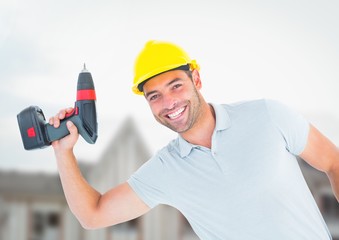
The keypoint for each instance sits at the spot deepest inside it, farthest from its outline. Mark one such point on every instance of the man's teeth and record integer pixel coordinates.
(176, 113)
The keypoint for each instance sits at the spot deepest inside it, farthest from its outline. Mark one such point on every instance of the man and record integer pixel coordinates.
(232, 171)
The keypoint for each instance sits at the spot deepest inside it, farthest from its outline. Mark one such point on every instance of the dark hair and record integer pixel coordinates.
(185, 68)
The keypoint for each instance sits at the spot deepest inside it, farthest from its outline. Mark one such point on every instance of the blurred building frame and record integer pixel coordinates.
(33, 207)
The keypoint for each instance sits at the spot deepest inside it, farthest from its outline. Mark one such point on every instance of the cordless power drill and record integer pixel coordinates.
(37, 133)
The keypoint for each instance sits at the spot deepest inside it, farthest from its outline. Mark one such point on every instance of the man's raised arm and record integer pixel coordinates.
(92, 209)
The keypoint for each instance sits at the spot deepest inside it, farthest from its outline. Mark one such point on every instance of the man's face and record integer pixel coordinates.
(174, 99)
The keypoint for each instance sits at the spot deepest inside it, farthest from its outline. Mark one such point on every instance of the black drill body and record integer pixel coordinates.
(36, 133)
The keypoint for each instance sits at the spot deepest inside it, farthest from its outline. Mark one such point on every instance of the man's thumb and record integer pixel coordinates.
(71, 127)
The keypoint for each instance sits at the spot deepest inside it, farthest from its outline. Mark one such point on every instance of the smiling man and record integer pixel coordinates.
(232, 170)
(177, 104)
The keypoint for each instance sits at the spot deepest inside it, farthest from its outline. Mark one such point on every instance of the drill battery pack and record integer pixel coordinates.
(31, 122)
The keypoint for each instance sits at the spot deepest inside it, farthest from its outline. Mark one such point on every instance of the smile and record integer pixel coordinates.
(176, 114)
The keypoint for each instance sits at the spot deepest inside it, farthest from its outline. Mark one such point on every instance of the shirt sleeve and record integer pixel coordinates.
(149, 182)
(292, 125)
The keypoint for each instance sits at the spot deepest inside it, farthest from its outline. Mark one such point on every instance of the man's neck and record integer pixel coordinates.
(201, 133)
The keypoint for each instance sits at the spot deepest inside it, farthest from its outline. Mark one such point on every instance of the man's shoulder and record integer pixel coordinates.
(244, 112)
(245, 104)
(246, 107)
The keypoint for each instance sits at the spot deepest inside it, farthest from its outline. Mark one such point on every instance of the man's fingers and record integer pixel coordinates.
(55, 121)
(62, 114)
(69, 110)
(51, 121)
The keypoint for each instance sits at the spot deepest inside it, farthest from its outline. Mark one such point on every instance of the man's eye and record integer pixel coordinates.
(177, 85)
(153, 97)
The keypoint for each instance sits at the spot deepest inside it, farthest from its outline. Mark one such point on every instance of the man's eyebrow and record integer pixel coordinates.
(168, 84)
(173, 81)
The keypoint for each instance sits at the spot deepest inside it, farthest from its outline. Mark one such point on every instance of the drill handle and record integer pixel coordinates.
(62, 131)
(83, 117)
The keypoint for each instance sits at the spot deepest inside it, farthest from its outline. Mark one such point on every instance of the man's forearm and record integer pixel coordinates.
(323, 155)
(333, 176)
(81, 197)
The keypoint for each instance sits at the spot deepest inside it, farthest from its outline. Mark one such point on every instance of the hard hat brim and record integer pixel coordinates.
(140, 86)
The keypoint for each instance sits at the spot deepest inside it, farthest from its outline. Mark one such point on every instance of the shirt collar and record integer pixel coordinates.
(223, 122)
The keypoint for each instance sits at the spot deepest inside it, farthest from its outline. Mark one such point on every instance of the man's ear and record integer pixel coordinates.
(196, 79)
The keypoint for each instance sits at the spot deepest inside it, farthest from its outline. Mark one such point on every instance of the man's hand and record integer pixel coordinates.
(67, 143)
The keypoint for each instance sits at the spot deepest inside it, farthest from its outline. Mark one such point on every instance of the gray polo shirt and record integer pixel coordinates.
(247, 186)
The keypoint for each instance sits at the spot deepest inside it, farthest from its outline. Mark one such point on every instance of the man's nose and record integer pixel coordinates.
(169, 101)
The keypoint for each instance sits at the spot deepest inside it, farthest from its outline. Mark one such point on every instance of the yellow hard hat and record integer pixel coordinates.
(158, 57)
